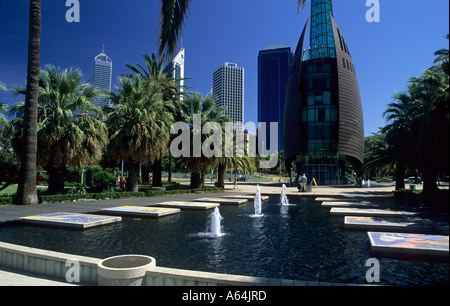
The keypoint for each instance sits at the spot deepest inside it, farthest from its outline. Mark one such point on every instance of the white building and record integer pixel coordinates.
(177, 64)
(102, 76)
(228, 88)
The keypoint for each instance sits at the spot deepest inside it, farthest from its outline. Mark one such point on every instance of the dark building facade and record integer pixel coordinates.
(273, 73)
(323, 121)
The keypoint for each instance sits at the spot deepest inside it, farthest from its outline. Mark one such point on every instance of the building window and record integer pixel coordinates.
(327, 97)
(340, 39)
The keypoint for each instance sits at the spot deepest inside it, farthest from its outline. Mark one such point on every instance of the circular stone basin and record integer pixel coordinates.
(124, 270)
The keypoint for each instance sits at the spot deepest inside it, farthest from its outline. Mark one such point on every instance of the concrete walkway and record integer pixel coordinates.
(10, 277)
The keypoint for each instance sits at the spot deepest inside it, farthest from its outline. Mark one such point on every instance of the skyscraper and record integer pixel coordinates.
(323, 120)
(177, 64)
(228, 88)
(273, 73)
(102, 76)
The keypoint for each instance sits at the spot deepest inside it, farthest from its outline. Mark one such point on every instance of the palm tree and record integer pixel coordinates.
(4, 123)
(233, 163)
(378, 154)
(418, 124)
(172, 15)
(399, 114)
(430, 92)
(245, 163)
(170, 91)
(139, 125)
(26, 190)
(205, 107)
(67, 134)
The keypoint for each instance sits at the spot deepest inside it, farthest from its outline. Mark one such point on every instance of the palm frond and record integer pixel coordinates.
(173, 13)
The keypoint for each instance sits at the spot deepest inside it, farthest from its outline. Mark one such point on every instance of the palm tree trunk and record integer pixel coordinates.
(145, 174)
(430, 188)
(26, 190)
(56, 179)
(157, 179)
(133, 175)
(169, 179)
(399, 177)
(195, 180)
(221, 175)
(202, 181)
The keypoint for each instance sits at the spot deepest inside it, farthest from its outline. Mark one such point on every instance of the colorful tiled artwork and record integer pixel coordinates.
(142, 211)
(248, 197)
(346, 204)
(325, 199)
(409, 241)
(352, 211)
(223, 201)
(386, 223)
(188, 205)
(72, 220)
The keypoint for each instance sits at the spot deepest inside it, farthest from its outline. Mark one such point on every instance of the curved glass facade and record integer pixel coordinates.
(328, 101)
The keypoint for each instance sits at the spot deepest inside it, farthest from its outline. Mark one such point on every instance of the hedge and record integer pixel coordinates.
(95, 196)
(115, 195)
(5, 200)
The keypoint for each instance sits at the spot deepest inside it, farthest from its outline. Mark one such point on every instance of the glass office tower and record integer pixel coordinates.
(323, 121)
(102, 77)
(228, 89)
(273, 73)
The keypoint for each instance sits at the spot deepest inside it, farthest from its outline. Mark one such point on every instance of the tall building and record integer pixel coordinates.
(228, 88)
(273, 73)
(102, 76)
(177, 67)
(323, 119)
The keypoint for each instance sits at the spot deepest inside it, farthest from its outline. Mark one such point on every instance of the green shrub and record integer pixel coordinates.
(102, 179)
(6, 200)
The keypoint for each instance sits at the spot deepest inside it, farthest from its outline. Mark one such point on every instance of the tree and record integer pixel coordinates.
(432, 119)
(139, 125)
(378, 154)
(399, 114)
(172, 16)
(26, 190)
(245, 163)
(208, 112)
(418, 123)
(9, 161)
(67, 132)
(170, 92)
(4, 123)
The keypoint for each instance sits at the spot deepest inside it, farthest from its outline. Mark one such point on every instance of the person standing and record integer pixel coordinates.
(303, 180)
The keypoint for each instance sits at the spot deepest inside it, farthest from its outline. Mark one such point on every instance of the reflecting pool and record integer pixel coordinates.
(300, 241)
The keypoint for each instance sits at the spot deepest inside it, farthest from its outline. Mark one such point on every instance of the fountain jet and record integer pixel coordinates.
(284, 199)
(257, 203)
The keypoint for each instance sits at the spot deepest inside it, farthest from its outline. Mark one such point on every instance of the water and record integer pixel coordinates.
(214, 228)
(296, 242)
(284, 199)
(257, 204)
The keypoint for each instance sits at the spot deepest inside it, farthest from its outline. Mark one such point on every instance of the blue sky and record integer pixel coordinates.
(385, 54)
